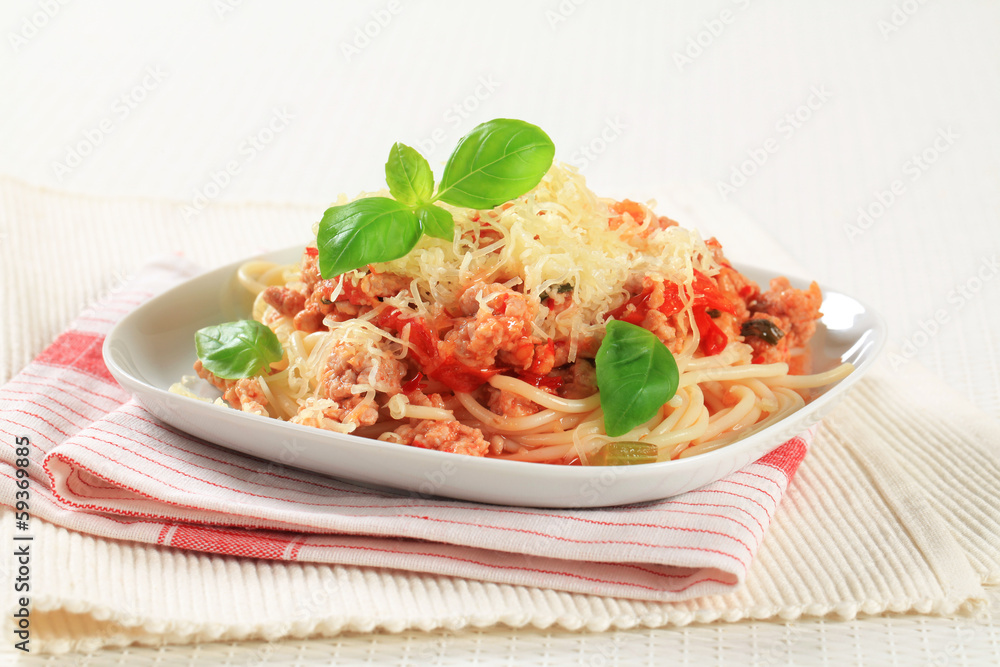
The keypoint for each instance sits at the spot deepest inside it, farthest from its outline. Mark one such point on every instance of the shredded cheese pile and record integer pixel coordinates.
(556, 235)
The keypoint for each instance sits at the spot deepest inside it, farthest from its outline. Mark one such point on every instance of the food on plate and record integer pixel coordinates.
(513, 313)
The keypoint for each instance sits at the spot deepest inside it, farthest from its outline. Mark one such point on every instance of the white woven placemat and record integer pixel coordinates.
(892, 89)
(851, 537)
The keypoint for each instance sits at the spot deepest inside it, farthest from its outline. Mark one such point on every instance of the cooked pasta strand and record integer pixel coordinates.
(433, 348)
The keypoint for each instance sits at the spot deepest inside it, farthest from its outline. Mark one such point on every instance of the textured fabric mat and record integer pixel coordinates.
(105, 466)
(866, 526)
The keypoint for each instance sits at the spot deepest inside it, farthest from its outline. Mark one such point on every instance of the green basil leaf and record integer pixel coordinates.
(624, 454)
(636, 375)
(436, 222)
(410, 178)
(373, 229)
(239, 349)
(496, 162)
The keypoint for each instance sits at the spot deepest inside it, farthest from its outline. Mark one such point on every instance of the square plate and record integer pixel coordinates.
(153, 346)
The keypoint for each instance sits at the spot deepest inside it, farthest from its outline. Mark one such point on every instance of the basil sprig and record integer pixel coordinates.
(496, 162)
(373, 229)
(409, 176)
(636, 375)
(436, 222)
(236, 350)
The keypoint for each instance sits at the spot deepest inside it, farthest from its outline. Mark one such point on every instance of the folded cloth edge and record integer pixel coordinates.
(80, 357)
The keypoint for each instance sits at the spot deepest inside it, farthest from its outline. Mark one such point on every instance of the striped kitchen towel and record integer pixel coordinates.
(99, 463)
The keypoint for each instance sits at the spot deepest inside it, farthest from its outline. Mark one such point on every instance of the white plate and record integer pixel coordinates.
(153, 346)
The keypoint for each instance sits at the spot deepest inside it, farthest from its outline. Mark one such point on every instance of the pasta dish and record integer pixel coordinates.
(490, 343)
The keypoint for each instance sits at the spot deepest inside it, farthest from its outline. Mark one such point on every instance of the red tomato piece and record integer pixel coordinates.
(707, 294)
(448, 370)
(546, 355)
(713, 339)
(414, 383)
(549, 382)
(460, 377)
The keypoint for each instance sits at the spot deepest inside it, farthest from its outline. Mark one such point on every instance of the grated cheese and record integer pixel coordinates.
(557, 234)
(359, 340)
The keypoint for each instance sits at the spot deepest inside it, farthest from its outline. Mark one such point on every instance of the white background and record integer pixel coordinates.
(162, 97)
(577, 70)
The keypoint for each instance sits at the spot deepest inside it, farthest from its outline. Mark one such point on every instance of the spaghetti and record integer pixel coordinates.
(485, 345)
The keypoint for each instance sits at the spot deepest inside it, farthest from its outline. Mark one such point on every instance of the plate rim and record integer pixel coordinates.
(877, 332)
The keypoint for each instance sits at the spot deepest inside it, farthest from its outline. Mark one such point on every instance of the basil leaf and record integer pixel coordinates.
(373, 229)
(436, 222)
(636, 375)
(239, 349)
(496, 162)
(410, 178)
(624, 454)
